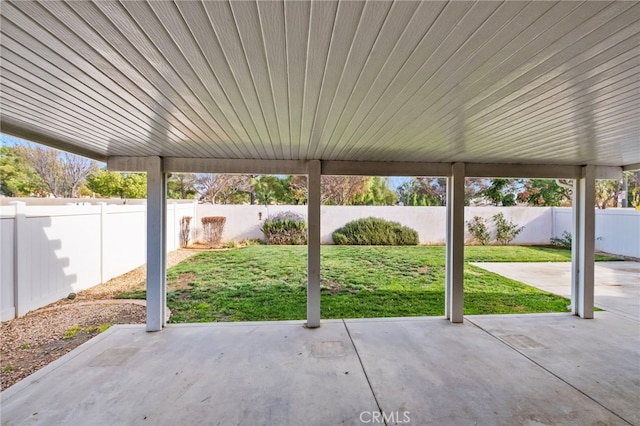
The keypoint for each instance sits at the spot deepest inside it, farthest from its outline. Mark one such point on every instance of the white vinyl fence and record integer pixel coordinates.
(617, 230)
(50, 251)
(244, 222)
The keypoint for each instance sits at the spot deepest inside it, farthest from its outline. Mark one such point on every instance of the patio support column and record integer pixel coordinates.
(454, 285)
(156, 244)
(583, 247)
(313, 244)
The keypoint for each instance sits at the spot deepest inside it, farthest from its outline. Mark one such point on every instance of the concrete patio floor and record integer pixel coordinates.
(491, 370)
(617, 284)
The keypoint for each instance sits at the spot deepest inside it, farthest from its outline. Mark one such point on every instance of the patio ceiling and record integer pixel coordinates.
(484, 82)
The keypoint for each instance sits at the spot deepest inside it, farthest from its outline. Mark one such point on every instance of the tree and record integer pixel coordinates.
(62, 173)
(501, 192)
(377, 193)
(298, 189)
(17, 177)
(181, 186)
(106, 183)
(546, 192)
(423, 191)
(632, 178)
(342, 190)
(222, 188)
(111, 184)
(45, 162)
(269, 188)
(607, 193)
(263, 188)
(74, 171)
(134, 185)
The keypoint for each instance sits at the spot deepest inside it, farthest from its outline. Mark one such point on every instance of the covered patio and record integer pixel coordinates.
(491, 370)
(451, 89)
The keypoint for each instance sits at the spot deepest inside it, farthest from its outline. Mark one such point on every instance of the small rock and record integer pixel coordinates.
(71, 296)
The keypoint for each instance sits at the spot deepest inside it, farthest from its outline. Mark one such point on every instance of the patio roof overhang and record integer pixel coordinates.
(529, 89)
(485, 82)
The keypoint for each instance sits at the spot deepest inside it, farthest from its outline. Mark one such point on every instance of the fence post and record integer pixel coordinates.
(103, 218)
(21, 292)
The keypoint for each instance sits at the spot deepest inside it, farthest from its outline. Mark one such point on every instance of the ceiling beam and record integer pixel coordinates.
(29, 134)
(606, 172)
(384, 168)
(361, 168)
(235, 166)
(127, 164)
(539, 171)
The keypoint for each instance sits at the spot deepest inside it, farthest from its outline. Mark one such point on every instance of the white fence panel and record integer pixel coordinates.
(245, 221)
(429, 222)
(537, 222)
(175, 212)
(617, 230)
(64, 249)
(124, 239)
(56, 253)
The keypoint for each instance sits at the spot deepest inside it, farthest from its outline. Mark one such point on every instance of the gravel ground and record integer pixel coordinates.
(44, 335)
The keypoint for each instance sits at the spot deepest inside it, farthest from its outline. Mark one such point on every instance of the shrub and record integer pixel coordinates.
(285, 228)
(506, 230)
(213, 227)
(374, 231)
(185, 230)
(478, 230)
(563, 242)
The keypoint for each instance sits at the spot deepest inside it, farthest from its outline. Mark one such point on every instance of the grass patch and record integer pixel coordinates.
(97, 328)
(72, 331)
(523, 254)
(260, 283)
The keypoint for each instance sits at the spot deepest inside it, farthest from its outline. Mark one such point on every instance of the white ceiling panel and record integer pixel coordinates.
(551, 82)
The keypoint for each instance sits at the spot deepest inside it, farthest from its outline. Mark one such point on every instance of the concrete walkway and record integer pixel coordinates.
(491, 370)
(617, 284)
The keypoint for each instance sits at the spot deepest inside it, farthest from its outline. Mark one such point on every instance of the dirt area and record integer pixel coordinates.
(44, 335)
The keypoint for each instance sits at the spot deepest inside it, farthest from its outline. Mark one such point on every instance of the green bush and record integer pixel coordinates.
(506, 230)
(562, 242)
(375, 232)
(285, 228)
(479, 230)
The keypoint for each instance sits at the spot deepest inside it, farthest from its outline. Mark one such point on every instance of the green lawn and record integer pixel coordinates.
(260, 283)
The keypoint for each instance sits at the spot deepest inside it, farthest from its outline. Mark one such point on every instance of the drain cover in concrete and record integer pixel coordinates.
(521, 342)
(328, 349)
(111, 357)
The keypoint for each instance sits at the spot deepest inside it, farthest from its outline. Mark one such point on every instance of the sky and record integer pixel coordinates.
(6, 140)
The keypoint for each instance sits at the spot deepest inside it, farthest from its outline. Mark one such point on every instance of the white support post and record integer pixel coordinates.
(583, 247)
(156, 244)
(454, 288)
(313, 244)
